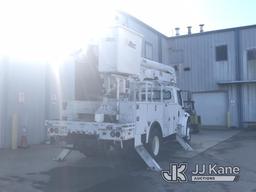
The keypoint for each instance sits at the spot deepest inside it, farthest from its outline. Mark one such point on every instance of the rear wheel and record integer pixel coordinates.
(155, 143)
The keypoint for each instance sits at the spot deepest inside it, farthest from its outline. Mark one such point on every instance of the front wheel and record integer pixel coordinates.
(155, 143)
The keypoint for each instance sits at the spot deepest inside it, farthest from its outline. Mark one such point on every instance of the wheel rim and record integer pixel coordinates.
(155, 145)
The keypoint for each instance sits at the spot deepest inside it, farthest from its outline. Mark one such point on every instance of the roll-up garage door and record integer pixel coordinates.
(212, 107)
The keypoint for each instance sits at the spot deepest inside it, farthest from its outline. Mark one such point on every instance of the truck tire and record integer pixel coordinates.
(155, 143)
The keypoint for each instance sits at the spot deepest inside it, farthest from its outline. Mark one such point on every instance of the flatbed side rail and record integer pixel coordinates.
(106, 131)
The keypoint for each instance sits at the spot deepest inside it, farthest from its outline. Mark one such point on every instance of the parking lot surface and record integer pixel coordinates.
(34, 170)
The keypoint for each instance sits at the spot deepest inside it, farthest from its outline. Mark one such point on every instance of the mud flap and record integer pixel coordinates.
(183, 143)
(147, 158)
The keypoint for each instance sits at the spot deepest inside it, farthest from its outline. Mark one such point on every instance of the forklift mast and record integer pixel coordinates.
(189, 107)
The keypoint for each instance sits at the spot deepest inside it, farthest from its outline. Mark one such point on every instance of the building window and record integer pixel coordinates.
(148, 50)
(251, 54)
(221, 53)
(186, 68)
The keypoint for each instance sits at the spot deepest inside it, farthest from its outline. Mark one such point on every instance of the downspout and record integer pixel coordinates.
(160, 56)
(238, 76)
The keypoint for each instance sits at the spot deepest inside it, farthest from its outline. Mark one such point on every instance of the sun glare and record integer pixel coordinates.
(50, 30)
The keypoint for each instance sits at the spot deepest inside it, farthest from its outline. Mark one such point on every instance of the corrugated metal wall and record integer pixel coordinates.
(164, 52)
(35, 92)
(198, 70)
(248, 41)
(60, 87)
(198, 53)
(24, 94)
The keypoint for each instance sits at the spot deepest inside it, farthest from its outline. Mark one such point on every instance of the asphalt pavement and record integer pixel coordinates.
(33, 169)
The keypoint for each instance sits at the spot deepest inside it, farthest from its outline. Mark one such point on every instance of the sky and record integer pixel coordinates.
(165, 15)
(51, 28)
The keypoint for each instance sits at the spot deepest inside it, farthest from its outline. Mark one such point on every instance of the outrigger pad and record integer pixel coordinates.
(147, 158)
(63, 154)
(183, 143)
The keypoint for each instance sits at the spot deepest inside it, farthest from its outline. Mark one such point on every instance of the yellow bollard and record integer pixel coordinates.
(14, 131)
(228, 120)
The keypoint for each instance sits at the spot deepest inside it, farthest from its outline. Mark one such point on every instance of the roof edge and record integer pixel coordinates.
(214, 31)
(183, 36)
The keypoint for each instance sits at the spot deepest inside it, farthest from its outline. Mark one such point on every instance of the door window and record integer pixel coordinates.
(167, 95)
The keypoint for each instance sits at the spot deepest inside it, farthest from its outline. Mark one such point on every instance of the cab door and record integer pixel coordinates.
(179, 107)
(170, 110)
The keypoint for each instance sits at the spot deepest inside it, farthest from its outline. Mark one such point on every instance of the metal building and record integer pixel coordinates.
(22, 92)
(34, 92)
(219, 67)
